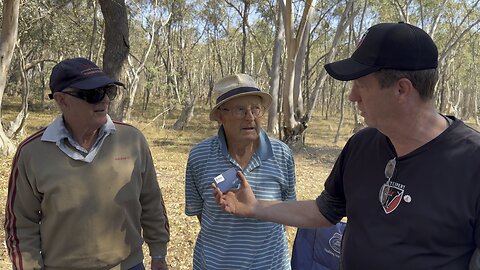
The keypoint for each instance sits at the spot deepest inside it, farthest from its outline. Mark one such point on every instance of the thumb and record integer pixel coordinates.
(243, 179)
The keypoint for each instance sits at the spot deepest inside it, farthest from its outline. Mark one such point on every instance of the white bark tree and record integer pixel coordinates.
(8, 38)
(295, 54)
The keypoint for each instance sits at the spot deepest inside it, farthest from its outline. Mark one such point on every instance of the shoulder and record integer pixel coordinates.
(460, 127)
(201, 152)
(30, 146)
(205, 144)
(127, 130)
(204, 148)
(465, 134)
(364, 141)
(366, 133)
(279, 146)
(125, 127)
(31, 140)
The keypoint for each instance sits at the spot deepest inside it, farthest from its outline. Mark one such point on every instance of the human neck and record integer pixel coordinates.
(412, 134)
(242, 153)
(84, 136)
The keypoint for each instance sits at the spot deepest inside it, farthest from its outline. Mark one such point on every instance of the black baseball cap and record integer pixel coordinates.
(79, 73)
(399, 46)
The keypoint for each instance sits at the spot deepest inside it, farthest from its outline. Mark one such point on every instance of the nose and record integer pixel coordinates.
(249, 114)
(353, 96)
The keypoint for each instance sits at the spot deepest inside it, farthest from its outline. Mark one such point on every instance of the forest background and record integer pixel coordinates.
(170, 53)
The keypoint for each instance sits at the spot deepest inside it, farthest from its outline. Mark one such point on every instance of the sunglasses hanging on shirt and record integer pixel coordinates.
(385, 191)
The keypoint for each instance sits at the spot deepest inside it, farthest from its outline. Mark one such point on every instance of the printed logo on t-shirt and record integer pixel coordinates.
(390, 195)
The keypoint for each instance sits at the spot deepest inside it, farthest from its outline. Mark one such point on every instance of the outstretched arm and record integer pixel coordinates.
(242, 202)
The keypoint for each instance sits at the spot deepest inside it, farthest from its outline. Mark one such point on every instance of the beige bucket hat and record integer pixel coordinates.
(237, 85)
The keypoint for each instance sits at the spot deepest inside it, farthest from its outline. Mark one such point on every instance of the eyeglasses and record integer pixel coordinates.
(94, 96)
(386, 188)
(241, 112)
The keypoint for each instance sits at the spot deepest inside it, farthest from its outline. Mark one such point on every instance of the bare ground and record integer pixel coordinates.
(170, 150)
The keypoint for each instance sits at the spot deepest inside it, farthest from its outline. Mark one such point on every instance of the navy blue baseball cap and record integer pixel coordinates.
(399, 46)
(79, 73)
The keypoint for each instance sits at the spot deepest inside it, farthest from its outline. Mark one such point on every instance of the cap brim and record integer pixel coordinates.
(349, 69)
(95, 82)
(266, 101)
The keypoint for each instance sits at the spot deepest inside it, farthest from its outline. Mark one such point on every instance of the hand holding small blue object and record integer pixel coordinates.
(227, 180)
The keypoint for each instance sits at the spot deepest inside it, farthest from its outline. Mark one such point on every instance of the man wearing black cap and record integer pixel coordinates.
(409, 183)
(83, 190)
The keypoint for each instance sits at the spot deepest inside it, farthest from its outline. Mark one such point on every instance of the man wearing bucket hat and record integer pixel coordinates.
(409, 183)
(82, 189)
(226, 241)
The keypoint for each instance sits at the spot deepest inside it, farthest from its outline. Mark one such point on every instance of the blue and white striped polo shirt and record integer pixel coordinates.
(226, 241)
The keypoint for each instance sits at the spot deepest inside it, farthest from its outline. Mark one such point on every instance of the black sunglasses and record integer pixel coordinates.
(385, 190)
(92, 96)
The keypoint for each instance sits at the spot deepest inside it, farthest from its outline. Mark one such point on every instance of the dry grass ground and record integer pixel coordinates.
(170, 150)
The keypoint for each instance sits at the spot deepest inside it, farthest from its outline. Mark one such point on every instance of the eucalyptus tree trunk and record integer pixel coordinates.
(291, 127)
(187, 113)
(342, 112)
(117, 47)
(8, 37)
(16, 126)
(475, 88)
(244, 15)
(273, 119)
(294, 129)
(347, 17)
(297, 78)
(246, 8)
(133, 73)
(454, 42)
(94, 31)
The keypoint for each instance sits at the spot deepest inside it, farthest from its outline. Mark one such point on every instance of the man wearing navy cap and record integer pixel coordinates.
(409, 183)
(83, 192)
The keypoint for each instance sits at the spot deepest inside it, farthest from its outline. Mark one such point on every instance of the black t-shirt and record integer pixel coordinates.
(431, 205)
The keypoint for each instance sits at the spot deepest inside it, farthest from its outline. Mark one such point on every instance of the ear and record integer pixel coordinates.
(217, 115)
(405, 89)
(60, 100)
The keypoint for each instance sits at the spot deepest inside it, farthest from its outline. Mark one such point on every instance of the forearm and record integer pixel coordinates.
(154, 219)
(22, 221)
(302, 214)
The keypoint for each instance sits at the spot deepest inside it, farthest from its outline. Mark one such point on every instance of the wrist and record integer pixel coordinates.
(255, 210)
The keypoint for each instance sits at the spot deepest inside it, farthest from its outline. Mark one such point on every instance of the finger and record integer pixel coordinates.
(243, 180)
(218, 195)
(215, 189)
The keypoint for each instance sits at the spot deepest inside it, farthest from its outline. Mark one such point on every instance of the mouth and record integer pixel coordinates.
(100, 110)
(249, 128)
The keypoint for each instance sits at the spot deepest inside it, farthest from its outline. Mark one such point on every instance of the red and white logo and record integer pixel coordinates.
(390, 196)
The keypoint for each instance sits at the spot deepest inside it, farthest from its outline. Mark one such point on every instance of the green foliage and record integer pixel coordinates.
(197, 42)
